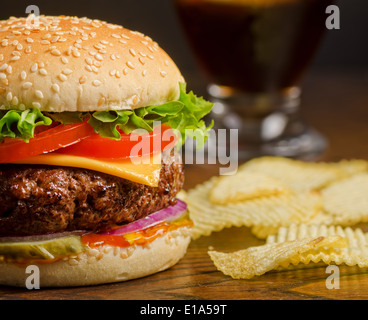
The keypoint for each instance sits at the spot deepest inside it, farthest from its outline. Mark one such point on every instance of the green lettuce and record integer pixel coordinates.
(21, 124)
(185, 113)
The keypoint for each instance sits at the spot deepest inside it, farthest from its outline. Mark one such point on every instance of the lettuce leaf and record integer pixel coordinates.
(21, 124)
(185, 113)
(182, 114)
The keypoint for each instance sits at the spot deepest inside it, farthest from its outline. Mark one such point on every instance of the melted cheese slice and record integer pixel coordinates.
(146, 171)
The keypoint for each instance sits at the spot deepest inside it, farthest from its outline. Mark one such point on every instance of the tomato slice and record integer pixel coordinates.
(50, 139)
(129, 146)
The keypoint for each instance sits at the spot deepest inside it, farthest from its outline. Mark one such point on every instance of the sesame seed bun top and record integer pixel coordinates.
(77, 64)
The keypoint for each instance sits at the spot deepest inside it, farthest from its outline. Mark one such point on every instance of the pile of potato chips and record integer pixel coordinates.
(305, 212)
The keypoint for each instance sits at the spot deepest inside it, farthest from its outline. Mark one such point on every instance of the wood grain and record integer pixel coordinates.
(335, 103)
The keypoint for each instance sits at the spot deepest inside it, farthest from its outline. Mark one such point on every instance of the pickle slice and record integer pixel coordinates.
(49, 249)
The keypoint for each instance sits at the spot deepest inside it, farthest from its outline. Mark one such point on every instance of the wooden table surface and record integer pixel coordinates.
(336, 103)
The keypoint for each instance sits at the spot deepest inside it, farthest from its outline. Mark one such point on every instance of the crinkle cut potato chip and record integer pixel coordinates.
(256, 261)
(244, 185)
(304, 176)
(354, 253)
(262, 232)
(271, 192)
(346, 201)
(268, 211)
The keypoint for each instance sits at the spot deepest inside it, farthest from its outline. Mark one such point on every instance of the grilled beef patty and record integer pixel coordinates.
(45, 199)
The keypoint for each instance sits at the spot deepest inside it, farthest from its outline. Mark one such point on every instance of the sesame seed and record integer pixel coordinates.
(39, 94)
(19, 47)
(132, 52)
(117, 75)
(76, 53)
(15, 58)
(55, 87)
(142, 54)
(144, 72)
(82, 79)
(2, 76)
(69, 52)
(125, 36)
(96, 83)
(64, 60)
(99, 46)
(55, 52)
(125, 71)
(113, 72)
(67, 71)
(15, 101)
(89, 68)
(27, 85)
(9, 69)
(45, 42)
(34, 67)
(43, 72)
(141, 60)
(116, 36)
(62, 77)
(9, 96)
(3, 67)
(163, 74)
(130, 65)
(29, 40)
(55, 39)
(113, 57)
(36, 105)
(23, 75)
(100, 103)
(122, 41)
(98, 57)
(16, 53)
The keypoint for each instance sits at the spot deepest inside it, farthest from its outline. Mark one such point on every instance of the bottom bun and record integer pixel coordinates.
(106, 265)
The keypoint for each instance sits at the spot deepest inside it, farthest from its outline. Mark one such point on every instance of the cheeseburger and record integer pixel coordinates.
(81, 101)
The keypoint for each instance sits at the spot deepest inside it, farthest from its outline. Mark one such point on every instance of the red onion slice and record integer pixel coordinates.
(168, 214)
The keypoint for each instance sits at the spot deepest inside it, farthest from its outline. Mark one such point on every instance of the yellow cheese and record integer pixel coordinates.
(147, 172)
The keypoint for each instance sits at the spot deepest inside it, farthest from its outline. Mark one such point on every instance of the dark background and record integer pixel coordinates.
(343, 49)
